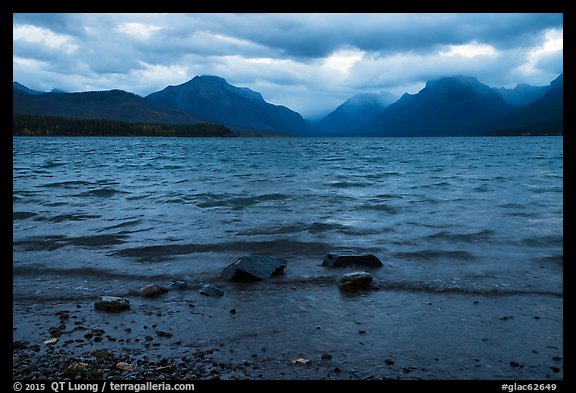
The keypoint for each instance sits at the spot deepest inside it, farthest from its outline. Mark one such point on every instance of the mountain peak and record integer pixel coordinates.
(20, 87)
(558, 82)
(450, 105)
(211, 79)
(455, 81)
(461, 86)
(215, 82)
(354, 112)
(212, 98)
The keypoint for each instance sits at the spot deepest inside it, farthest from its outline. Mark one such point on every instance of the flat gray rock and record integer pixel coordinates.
(355, 280)
(112, 304)
(350, 258)
(211, 290)
(254, 268)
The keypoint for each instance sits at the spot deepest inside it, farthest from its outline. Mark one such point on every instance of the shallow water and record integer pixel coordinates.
(463, 215)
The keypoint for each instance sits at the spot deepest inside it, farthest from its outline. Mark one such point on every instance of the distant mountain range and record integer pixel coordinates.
(453, 105)
(460, 105)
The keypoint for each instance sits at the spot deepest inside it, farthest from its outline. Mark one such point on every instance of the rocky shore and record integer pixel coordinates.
(320, 328)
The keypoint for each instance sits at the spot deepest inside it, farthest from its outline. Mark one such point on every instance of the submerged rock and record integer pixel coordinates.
(355, 280)
(254, 268)
(178, 284)
(350, 258)
(112, 304)
(211, 290)
(153, 290)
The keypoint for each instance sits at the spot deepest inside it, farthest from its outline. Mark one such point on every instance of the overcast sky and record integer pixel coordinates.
(310, 63)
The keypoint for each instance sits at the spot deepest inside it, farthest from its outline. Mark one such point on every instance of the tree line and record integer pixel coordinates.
(35, 125)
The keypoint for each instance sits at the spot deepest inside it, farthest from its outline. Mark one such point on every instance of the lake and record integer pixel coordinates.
(471, 216)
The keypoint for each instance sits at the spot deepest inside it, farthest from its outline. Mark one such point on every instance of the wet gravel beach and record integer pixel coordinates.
(268, 330)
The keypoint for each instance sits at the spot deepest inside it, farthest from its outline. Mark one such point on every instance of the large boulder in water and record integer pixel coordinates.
(355, 280)
(254, 268)
(350, 258)
(112, 304)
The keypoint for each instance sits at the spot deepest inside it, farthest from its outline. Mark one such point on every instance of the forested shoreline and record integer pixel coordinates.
(34, 125)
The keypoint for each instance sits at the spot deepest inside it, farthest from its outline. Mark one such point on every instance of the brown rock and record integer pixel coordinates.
(124, 366)
(153, 290)
(355, 280)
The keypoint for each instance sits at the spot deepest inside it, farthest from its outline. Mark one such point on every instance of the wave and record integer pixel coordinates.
(226, 200)
(274, 247)
(52, 164)
(348, 184)
(54, 242)
(380, 207)
(105, 192)
(512, 206)
(22, 215)
(314, 228)
(67, 217)
(438, 288)
(66, 184)
(82, 272)
(543, 241)
(275, 284)
(552, 259)
(426, 255)
(121, 225)
(522, 214)
(483, 235)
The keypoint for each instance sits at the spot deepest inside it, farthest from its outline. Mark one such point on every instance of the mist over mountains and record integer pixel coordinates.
(448, 106)
(354, 113)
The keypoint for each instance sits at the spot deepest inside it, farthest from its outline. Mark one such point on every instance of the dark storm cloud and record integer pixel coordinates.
(309, 62)
(317, 35)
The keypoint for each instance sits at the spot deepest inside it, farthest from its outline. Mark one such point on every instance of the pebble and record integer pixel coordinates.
(326, 356)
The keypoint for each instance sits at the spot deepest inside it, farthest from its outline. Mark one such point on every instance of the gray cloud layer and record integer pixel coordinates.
(309, 62)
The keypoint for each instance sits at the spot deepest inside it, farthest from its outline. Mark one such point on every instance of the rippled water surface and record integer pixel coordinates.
(476, 215)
